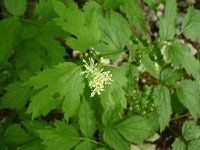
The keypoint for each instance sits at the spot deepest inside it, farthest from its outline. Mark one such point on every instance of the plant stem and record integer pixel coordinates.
(86, 139)
(180, 116)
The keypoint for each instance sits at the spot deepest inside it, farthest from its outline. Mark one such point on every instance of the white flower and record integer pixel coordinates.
(99, 77)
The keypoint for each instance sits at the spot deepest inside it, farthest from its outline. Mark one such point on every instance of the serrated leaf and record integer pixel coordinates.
(131, 72)
(169, 76)
(111, 115)
(194, 144)
(190, 130)
(115, 140)
(86, 145)
(16, 7)
(178, 54)
(188, 95)
(8, 29)
(15, 97)
(115, 33)
(167, 23)
(179, 145)
(15, 135)
(62, 137)
(152, 67)
(65, 80)
(134, 129)
(44, 8)
(87, 120)
(134, 14)
(34, 125)
(112, 3)
(54, 50)
(191, 24)
(114, 93)
(163, 106)
(35, 144)
(73, 20)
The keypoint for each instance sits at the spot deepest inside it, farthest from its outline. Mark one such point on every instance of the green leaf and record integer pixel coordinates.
(163, 106)
(134, 14)
(63, 80)
(169, 76)
(152, 4)
(16, 7)
(15, 135)
(44, 8)
(87, 120)
(115, 33)
(191, 24)
(111, 115)
(152, 67)
(62, 137)
(16, 96)
(32, 126)
(168, 21)
(114, 93)
(188, 95)
(131, 72)
(178, 54)
(112, 3)
(55, 51)
(179, 145)
(115, 140)
(35, 144)
(8, 29)
(194, 144)
(190, 130)
(85, 27)
(86, 145)
(134, 129)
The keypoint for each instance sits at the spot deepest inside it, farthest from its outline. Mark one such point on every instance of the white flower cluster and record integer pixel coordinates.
(99, 77)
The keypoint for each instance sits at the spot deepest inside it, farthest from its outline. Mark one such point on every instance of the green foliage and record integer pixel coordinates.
(191, 25)
(163, 106)
(54, 54)
(189, 138)
(134, 14)
(61, 137)
(15, 135)
(17, 7)
(188, 94)
(61, 84)
(168, 21)
(85, 27)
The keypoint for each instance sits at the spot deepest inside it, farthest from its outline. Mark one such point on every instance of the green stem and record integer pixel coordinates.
(180, 116)
(86, 139)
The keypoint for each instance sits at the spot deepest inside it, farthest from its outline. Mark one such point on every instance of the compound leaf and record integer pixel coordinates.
(64, 81)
